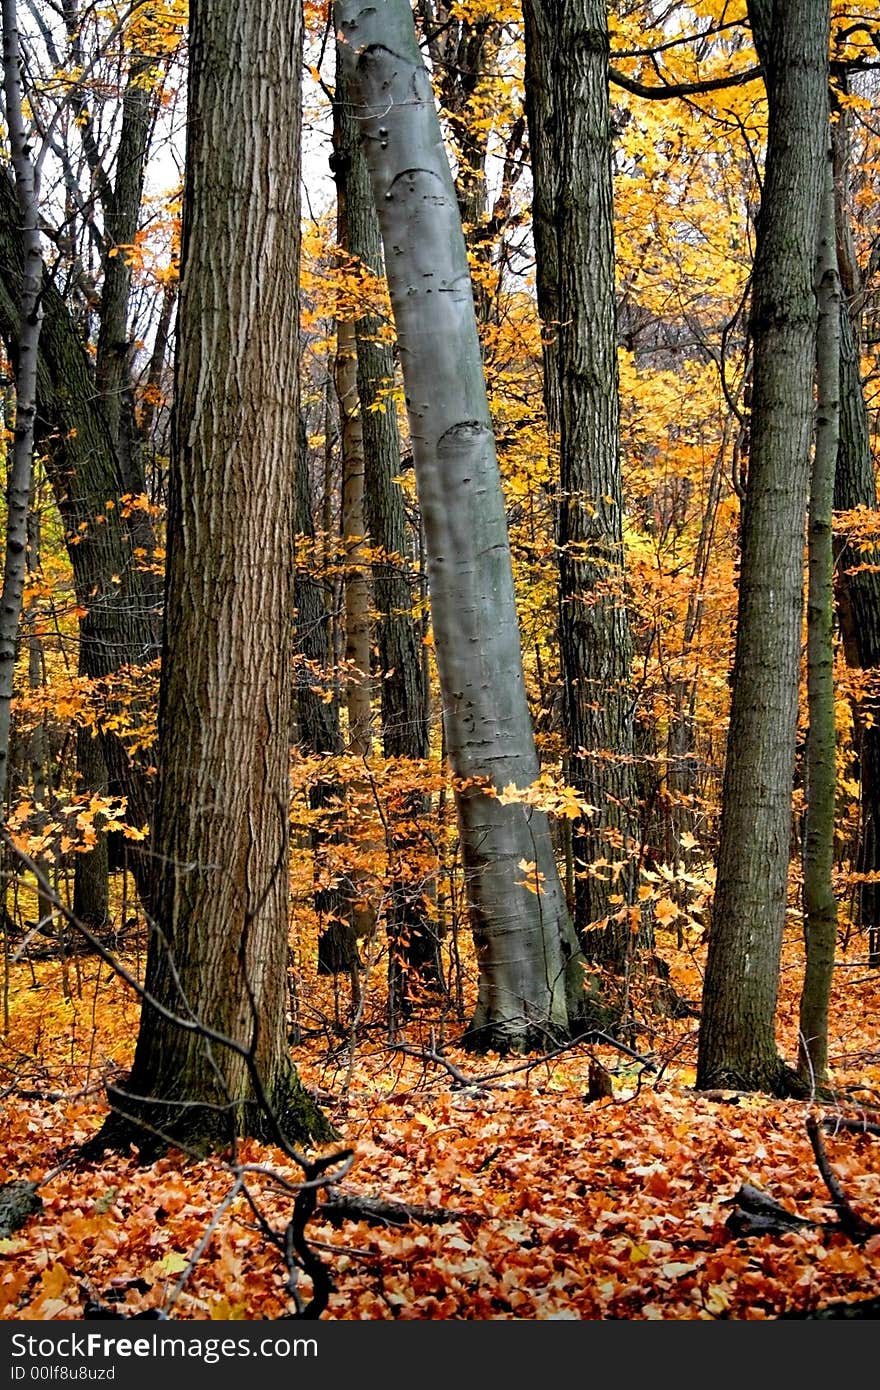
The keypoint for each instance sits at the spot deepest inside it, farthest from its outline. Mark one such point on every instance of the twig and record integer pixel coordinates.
(855, 1227)
(350, 1206)
(833, 1123)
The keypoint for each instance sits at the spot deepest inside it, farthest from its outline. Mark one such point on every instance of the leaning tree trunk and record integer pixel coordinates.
(570, 130)
(530, 986)
(737, 1040)
(218, 953)
(413, 943)
(820, 905)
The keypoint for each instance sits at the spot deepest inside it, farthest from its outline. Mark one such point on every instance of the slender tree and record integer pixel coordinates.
(25, 343)
(737, 1040)
(121, 627)
(858, 580)
(531, 983)
(218, 950)
(820, 905)
(570, 141)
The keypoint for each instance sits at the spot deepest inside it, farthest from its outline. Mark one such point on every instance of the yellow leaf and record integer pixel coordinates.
(54, 1280)
(224, 1311)
(666, 911)
(718, 1300)
(638, 1253)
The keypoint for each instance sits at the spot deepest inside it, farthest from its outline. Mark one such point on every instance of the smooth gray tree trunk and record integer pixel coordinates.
(412, 938)
(531, 984)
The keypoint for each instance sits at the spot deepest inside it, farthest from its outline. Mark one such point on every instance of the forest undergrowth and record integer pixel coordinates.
(537, 1202)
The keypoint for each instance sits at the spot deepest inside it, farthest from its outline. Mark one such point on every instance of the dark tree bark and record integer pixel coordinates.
(858, 585)
(820, 905)
(114, 383)
(570, 139)
(463, 51)
(121, 626)
(218, 951)
(543, 124)
(317, 730)
(737, 1042)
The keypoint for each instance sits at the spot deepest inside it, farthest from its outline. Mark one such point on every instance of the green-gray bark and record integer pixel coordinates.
(820, 906)
(530, 986)
(737, 1040)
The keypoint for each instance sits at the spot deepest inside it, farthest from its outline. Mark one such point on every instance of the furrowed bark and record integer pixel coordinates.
(858, 583)
(820, 906)
(737, 1040)
(218, 952)
(570, 130)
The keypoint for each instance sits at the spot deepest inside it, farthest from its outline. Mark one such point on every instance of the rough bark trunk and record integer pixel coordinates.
(114, 383)
(463, 50)
(737, 1041)
(858, 585)
(318, 729)
(530, 985)
(542, 118)
(576, 217)
(820, 906)
(218, 952)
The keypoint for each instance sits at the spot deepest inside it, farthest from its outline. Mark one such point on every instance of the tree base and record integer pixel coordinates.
(155, 1126)
(511, 1037)
(777, 1079)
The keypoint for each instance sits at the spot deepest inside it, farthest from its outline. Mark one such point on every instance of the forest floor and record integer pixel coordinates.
(551, 1207)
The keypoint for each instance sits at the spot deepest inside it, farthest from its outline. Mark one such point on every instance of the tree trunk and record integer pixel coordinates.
(121, 626)
(356, 587)
(531, 983)
(858, 585)
(463, 50)
(24, 354)
(113, 379)
(218, 952)
(543, 123)
(570, 64)
(737, 1040)
(413, 942)
(820, 906)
